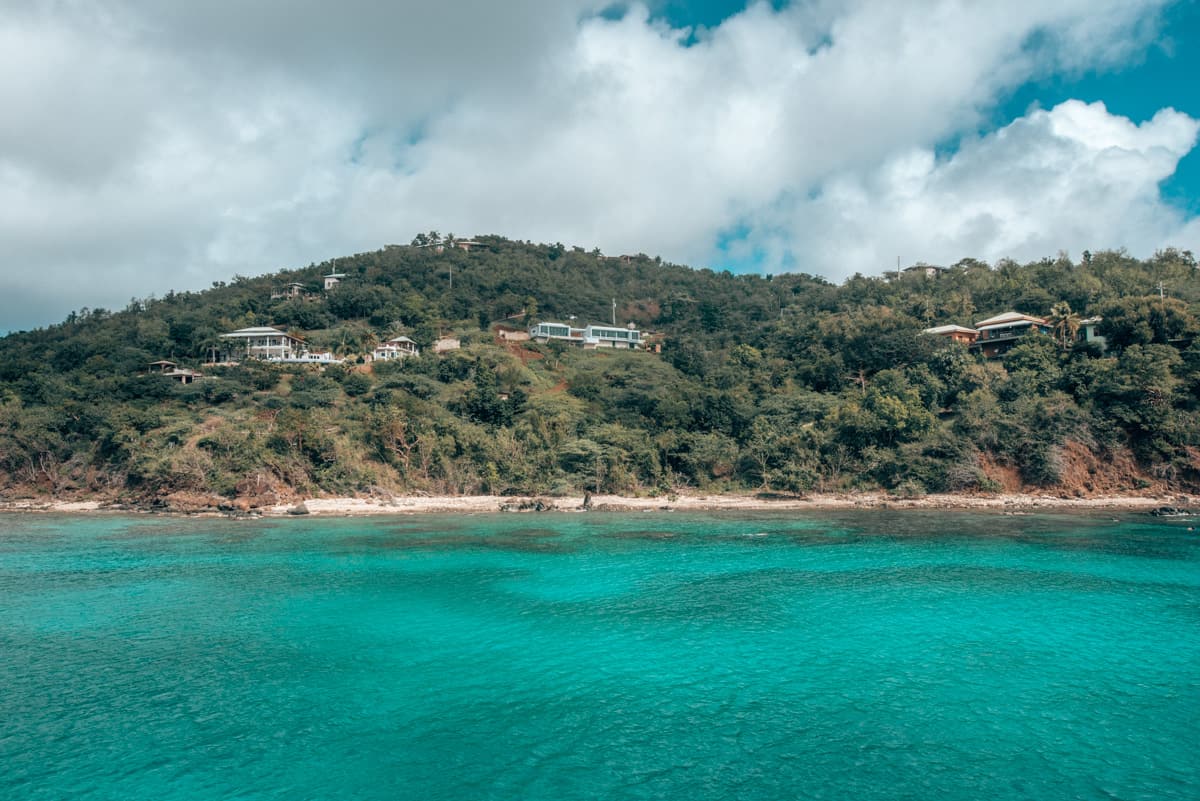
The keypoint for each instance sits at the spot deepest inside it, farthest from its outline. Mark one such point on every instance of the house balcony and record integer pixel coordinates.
(1008, 334)
(1001, 336)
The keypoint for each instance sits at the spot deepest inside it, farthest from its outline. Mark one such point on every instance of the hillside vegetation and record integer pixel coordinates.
(782, 383)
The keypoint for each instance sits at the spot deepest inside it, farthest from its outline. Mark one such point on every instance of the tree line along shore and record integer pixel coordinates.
(784, 386)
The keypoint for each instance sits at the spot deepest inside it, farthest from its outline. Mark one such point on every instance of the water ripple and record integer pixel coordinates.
(711, 657)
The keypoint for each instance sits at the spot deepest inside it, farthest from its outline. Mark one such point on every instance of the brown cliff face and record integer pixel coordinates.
(1083, 473)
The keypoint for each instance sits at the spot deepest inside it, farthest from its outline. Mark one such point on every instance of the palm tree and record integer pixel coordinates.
(345, 347)
(1065, 323)
(369, 341)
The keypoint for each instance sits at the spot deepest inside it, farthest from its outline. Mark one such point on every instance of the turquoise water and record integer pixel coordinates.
(855, 656)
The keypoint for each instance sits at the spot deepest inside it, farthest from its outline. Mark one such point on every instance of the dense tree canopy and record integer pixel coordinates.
(785, 383)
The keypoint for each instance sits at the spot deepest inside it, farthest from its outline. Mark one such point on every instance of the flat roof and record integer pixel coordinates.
(258, 331)
(577, 331)
(1008, 318)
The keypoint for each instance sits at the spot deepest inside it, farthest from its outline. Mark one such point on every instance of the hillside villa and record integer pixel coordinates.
(997, 335)
(264, 342)
(396, 348)
(272, 345)
(593, 336)
(994, 336)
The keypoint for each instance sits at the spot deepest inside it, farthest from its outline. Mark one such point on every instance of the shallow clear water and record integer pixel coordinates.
(846, 656)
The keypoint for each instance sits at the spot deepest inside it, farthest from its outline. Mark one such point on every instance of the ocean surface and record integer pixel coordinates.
(849, 656)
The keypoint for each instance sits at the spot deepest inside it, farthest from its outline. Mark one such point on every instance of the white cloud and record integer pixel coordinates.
(1074, 177)
(150, 145)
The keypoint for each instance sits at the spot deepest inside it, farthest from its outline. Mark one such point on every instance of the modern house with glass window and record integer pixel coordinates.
(546, 332)
(593, 336)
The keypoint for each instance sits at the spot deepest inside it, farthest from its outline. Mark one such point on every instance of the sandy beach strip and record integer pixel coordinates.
(486, 504)
(477, 504)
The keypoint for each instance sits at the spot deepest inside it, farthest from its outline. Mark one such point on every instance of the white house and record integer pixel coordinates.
(397, 348)
(1087, 332)
(333, 279)
(593, 336)
(608, 336)
(266, 343)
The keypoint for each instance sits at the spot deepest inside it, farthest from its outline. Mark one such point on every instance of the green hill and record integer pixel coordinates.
(784, 383)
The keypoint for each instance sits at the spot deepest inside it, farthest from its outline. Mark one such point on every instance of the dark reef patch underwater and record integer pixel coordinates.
(880, 655)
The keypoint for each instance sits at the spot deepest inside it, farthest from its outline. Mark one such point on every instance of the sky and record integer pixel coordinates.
(150, 145)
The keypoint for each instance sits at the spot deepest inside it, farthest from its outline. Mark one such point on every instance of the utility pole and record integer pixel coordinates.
(614, 311)
(450, 267)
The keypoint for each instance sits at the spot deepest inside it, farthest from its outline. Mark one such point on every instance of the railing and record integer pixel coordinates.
(1000, 336)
